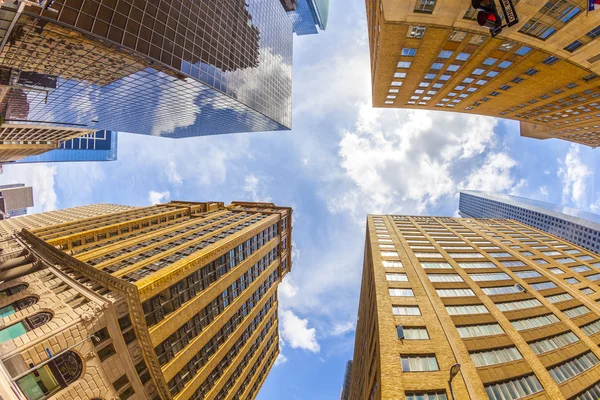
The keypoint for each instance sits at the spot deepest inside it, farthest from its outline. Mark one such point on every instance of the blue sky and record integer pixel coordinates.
(342, 160)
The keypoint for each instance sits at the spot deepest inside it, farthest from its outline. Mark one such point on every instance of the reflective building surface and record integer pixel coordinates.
(308, 15)
(97, 146)
(576, 226)
(175, 68)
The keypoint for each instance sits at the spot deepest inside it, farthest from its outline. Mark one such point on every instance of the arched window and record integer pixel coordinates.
(59, 373)
(13, 290)
(24, 326)
(17, 306)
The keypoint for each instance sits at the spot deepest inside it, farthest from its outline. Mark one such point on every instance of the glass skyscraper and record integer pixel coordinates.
(97, 146)
(172, 68)
(308, 15)
(579, 227)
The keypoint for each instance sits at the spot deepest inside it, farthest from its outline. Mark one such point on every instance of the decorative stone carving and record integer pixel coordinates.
(88, 316)
(90, 354)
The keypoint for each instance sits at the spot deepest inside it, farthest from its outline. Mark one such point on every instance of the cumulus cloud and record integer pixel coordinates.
(256, 188)
(340, 329)
(494, 175)
(287, 288)
(280, 360)
(42, 177)
(297, 334)
(544, 191)
(574, 174)
(172, 174)
(155, 197)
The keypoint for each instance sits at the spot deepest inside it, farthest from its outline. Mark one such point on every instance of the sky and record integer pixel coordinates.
(342, 160)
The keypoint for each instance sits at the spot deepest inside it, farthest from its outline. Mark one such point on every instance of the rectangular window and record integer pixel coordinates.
(490, 61)
(389, 254)
(416, 32)
(454, 292)
(556, 271)
(440, 265)
(401, 292)
(444, 278)
(571, 47)
(396, 277)
(514, 389)
(392, 264)
(535, 322)
(576, 311)
(550, 60)
(572, 281)
(496, 356)
(591, 328)
(408, 52)
(445, 54)
(540, 261)
(425, 6)
(467, 309)
(433, 395)
(491, 291)
(481, 264)
(518, 305)
(580, 268)
(106, 352)
(513, 263)
(543, 285)
(528, 274)
(470, 331)
(553, 343)
(500, 276)
(404, 64)
(465, 255)
(523, 50)
(415, 333)
(564, 260)
(587, 291)
(419, 363)
(574, 367)
(406, 310)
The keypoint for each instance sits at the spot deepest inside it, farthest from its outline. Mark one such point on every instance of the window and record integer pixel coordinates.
(400, 75)
(463, 56)
(518, 305)
(496, 356)
(587, 291)
(556, 271)
(437, 395)
(430, 76)
(528, 274)
(576, 311)
(586, 258)
(467, 309)
(557, 298)
(553, 343)
(416, 32)
(542, 285)
(591, 393)
(106, 352)
(580, 268)
(389, 254)
(409, 52)
(514, 389)
(535, 322)
(591, 328)
(469, 331)
(571, 47)
(445, 54)
(477, 71)
(481, 264)
(574, 367)
(517, 80)
(440, 265)
(437, 66)
(404, 64)
(492, 74)
(499, 276)
(550, 60)
(25, 325)
(414, 333)
(572, 281)
(406, 310)
(504, 64)
(465, 255)
(500, 290)
(564, 260)
(513, 263)
(490, 61)
(454, 292)
(396, 277)
(444, 278)
(540, 261)
(17, 306)
(419, 363)
(552, 253)
(396, 83)
(523, 50)
(453, 67)
(401, 292)
(505, 87)
(392, 264)
(425, 6)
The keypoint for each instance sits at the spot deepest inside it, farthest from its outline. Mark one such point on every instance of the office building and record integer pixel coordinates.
(542, 72)
(309, 16)
(175, 69)
(50, 218)
(96, 146)
(186, 293)
(15, 199)
(345, 394)
(579, 227)
(18, 141)
(475, 309)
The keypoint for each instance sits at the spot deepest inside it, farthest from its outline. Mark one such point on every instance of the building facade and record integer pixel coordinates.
(190, 292)
(309, 16)
(543, 71)
(97, 146)
(515, 307)
(576, 226)
(57, 217)
(345, 394)
(15, 199)
(173, 69)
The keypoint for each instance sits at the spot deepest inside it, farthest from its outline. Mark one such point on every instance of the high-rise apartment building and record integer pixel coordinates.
(15, 199)
(173, 301)
(515, 307)
(96, 146)
(543, 71)
(576, 226)
(345, 394)
(50, 218)
(170, 68)
(310, 15)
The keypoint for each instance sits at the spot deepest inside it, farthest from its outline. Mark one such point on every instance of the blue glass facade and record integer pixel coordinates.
(576, 226)
(98, 146)
(309, 15)
(172, 68)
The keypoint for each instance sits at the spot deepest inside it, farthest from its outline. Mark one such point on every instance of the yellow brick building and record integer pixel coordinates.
(543, 71)
(184, 302)
(515, 307)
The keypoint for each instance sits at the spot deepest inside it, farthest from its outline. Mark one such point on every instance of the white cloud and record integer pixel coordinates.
(297, 334)
(287, 288)
(42, 177)
(183, 112)
(173, 175)
(595, 207)
(494, 175)
(544, 192)
(340, 329)
(256, 188)
(280, 360)
(574, 174)
(158, 197)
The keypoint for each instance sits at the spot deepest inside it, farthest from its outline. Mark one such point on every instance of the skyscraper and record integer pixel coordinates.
(475, 309)
(15, 199)
(186, 298)
(58, 217)
(576, 226)
(96, 146)
(175, 69)
(542, 71)
(310, 15)
(345, 394)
